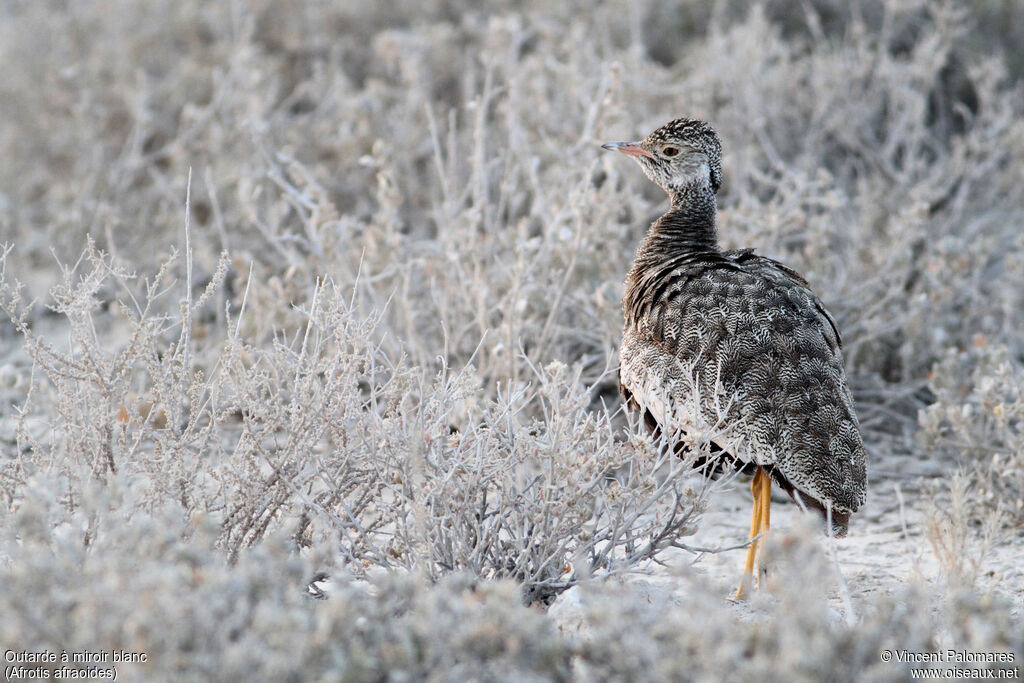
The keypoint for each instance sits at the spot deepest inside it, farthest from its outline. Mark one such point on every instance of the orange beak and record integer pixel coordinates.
(632, 149)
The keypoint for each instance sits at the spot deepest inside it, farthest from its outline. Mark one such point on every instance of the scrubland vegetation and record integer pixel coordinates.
(321, 300)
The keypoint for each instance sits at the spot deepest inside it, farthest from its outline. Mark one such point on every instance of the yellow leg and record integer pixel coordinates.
(766, 519)
(756, 520)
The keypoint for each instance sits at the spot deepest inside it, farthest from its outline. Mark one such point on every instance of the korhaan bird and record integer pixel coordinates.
(709, 332)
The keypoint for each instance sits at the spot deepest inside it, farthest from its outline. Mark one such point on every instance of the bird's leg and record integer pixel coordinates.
(755, 529)
(766, 517)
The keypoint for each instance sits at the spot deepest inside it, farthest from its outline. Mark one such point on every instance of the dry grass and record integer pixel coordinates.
(334, 290)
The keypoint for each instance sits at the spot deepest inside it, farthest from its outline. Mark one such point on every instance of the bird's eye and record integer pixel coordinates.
(669, 150)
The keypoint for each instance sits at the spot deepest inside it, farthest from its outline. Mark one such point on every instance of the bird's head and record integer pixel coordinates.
(680, 154)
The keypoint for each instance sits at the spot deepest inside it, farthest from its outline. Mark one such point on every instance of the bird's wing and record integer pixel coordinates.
(751, 336)
(664, 389)
(747, 258)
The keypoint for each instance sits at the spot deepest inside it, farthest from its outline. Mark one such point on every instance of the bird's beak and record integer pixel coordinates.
(632, 149)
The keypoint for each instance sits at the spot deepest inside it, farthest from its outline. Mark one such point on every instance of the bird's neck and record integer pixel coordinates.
(682, 238)
(689, 224)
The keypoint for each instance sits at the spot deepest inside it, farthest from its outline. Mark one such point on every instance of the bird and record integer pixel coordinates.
(733, 337)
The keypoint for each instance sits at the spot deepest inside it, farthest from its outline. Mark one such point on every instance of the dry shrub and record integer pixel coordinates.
(324, 435)
(960, 551)
(403, 368)
(173, 598)
(977, 420)
(196, 617)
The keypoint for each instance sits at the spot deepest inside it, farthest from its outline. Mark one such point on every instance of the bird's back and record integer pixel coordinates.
(738, 333)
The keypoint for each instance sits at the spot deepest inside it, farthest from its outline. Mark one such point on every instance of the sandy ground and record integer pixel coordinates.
(887, 546)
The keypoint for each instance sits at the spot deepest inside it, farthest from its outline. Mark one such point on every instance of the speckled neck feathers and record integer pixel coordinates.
(688, 225)
(685, 236)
